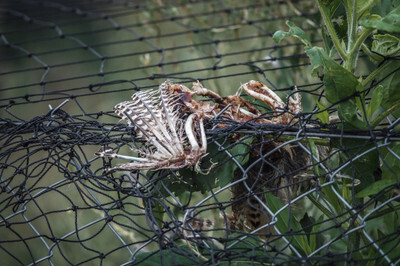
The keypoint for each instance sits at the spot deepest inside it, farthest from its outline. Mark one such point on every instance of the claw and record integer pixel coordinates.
(261, 92)
(200, 90)
(208, 170)
(159, 118)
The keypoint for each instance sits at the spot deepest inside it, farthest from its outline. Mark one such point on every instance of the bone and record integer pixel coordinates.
(189, 133)
(261, 92)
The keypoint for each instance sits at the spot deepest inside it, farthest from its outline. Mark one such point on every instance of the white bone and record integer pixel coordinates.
(270, 97)
(164, 138)
(189, 133)
(116, 155)
(203, 136)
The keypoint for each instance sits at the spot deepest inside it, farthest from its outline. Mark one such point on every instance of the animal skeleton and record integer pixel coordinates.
(172, 122)
(173, 140)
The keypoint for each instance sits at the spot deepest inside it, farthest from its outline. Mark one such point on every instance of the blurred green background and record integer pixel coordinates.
(95, 54)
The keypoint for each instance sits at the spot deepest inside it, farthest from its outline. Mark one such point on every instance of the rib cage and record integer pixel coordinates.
(155, 114)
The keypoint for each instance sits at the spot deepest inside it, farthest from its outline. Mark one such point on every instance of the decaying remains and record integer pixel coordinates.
(174, 139)
(171, 121)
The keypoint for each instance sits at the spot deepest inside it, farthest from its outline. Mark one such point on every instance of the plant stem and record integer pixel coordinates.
(317, 141)
(383, 212)
(376, 72)
(370, 54)
(382, 116)
(345, 226)
(331, 30)
(360, 40)
(321, 207)
(352, 53)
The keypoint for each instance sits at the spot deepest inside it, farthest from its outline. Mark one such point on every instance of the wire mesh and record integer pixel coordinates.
(276, 193)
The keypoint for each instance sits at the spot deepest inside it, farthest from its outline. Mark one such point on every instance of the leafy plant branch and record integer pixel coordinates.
(370, 29)
(331, 30)
(348, 47)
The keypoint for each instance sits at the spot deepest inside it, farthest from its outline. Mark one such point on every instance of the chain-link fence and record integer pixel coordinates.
(305, 190)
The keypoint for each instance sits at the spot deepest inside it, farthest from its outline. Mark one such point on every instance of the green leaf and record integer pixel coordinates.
(384, 7)
(241, 152)
(337, 20)
(181, 255)
(311, 227)
(339, 82)
(388, 23)
(390, 80)
(364, 167)
(339, 85)
(320, 59)
(245, 245)
(389, 158)
(386, 45)
(294, 31)
(286, 223)
(307, 222)
(315, 152)
(220, 175)
(347, 111)
(391, 167)
(363, 7)
(330, 6)
(316, 55)
(375, 188)
(189, 180)
(360, 100)
(389, 245)
(375, 102)
(314, 231)
(158, 212)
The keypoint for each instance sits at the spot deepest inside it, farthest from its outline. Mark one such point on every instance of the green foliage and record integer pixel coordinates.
(391, 84)
(376, 100)
(375, 188)
(240, 151)
(219, 176)
(352, 26)
(287, 223)
(341, 84)
(311, 228)
(386, 44)
(294, 31)
(179, 255)
(391, 168)
(183, 255)
(388, 23)
(361, 169)
(323, 115)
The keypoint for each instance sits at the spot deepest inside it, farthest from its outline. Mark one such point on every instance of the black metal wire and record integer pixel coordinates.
(65, 64)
